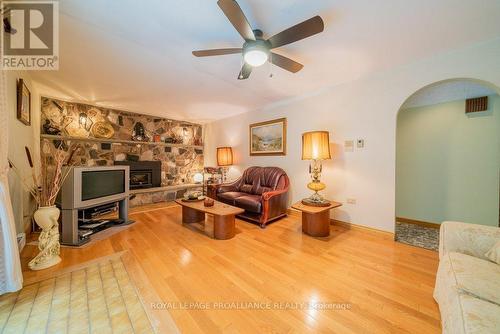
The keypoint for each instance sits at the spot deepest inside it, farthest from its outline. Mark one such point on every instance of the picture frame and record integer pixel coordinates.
(268, 138)
(23, 103)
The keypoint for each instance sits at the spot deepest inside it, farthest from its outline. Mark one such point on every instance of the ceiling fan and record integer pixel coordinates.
(256, 50)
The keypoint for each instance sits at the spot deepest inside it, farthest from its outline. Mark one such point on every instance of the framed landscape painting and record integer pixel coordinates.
(268, 138)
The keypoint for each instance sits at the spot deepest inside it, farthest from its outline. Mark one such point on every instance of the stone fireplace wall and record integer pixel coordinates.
(179, 161)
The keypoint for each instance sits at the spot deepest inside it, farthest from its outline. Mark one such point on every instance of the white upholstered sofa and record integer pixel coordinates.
(468, 282)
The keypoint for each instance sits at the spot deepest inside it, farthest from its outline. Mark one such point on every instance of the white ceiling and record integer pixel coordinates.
(446, 91)
(136, 55)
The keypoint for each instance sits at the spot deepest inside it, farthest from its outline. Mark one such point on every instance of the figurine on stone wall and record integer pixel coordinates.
(50, 129)
(139, 134)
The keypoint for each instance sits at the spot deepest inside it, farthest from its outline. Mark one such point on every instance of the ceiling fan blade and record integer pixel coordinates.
(245, 72)
(299, 31)
(217, 52)
(285, 63)
(235, 15)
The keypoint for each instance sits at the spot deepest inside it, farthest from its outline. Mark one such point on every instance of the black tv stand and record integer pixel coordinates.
(70, 226)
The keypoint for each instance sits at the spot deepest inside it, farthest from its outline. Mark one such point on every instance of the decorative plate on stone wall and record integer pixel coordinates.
(103, 130)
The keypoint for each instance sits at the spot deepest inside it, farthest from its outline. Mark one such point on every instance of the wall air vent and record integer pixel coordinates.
(476, 104)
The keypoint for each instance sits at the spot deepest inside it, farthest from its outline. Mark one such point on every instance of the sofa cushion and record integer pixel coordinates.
(462, 313)
(250, 179)
(471, 239)
(246, 188)
(470, 275)
(230, 196)
(479, 316)
(269, 179)
(462, 283)
(250, 203)
(257, 180)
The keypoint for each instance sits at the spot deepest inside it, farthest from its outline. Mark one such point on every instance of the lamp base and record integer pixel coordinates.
(316, 185)
(316, 200)
(308, 202)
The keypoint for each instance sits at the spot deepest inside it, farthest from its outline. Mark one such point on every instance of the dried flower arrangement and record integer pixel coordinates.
(48, 182)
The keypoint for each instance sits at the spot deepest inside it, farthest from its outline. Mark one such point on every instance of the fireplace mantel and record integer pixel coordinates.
(118, 141)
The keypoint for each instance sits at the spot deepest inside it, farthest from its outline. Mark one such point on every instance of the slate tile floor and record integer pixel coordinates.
(417, 235)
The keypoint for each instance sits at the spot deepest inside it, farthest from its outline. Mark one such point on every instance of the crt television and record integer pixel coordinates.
(90, 186)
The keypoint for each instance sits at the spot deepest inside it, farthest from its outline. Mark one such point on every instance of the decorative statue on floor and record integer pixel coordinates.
(44, 189)
(48, 242)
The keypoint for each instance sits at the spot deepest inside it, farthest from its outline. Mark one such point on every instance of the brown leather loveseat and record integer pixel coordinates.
(261, 191)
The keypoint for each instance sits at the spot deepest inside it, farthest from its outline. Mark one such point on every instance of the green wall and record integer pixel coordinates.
(448, 163)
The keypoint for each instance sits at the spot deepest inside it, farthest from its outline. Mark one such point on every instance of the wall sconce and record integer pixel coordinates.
(84, 121)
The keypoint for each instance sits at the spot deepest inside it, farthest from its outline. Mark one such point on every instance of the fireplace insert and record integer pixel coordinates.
(141, 179)
(143, 174)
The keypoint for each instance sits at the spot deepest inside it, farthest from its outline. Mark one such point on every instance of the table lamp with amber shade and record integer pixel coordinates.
(224, 159)
(316, 147)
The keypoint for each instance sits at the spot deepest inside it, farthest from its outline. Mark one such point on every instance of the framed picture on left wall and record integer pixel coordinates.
(23, 103)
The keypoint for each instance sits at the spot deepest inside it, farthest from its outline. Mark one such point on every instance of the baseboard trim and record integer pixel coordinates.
(349, 226)
(417, 222)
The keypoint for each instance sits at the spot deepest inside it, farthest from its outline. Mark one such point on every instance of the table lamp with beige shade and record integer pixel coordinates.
(316, 147)
(224, 159)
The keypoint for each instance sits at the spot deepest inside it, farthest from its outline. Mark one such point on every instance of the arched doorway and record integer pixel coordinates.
(447, 160)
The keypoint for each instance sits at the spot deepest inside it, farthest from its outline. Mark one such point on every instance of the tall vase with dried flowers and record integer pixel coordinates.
(46, 186)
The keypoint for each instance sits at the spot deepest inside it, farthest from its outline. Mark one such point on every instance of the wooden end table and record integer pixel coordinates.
(212, 190)
(224, 225)
(315, 219)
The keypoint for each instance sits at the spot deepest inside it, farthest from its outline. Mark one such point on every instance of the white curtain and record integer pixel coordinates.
(11, 277)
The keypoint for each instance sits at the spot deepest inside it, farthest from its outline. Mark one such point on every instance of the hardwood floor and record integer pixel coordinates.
(378, 285)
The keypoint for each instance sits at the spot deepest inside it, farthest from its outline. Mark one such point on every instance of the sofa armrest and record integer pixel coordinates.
(274, 204)
(268, 195)
(470, 239)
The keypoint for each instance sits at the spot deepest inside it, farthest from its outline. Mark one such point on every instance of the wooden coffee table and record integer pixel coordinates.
(224, 226)
(316, 220)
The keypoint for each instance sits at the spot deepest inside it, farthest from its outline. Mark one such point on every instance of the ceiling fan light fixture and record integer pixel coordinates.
(255, 58)
(256, 55)
(257, 50)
